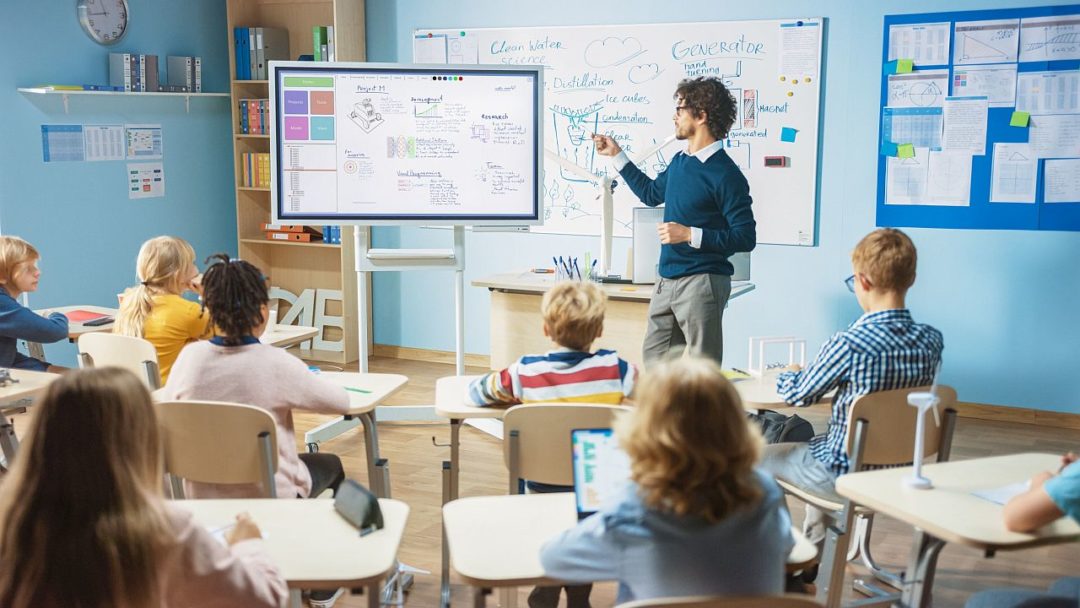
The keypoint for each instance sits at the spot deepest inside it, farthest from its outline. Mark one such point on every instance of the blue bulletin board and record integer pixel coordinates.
(961, 66)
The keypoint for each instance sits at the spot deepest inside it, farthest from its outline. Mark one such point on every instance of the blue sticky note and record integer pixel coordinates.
(890, 67)
(888, 148)
(788, 134)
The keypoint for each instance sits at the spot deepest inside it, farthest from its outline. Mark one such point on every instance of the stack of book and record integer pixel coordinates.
(256, 47)
(133, 72)
(285, 232)
(322, 37)
(253, 118)
(185, 74)
(255, 170)
(331, 235)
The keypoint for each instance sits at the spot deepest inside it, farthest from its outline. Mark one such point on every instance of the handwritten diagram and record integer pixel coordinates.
(1050, 38)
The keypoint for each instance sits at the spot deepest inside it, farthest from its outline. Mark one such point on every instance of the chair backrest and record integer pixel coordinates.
(536, 438)
(891, 425)
(790, 600)
(216, 442)
(102, 349)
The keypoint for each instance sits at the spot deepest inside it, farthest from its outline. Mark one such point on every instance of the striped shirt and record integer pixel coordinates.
(558, 376)
(881, 351)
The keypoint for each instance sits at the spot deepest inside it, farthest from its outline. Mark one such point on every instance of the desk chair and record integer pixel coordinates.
(216, 442)
(134, 354)
(537, 445)
(881, 434)
(766, 601)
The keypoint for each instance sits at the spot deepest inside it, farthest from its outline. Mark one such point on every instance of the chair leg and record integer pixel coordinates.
(833, 566)
(855, 548)
(893, 579)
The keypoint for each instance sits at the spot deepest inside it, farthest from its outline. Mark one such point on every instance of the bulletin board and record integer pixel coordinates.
(981, 128)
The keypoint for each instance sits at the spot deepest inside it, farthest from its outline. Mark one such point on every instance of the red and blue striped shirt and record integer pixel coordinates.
(563, 375)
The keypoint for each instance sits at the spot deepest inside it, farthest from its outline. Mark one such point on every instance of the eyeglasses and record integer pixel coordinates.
(678, 108)
(850, 282)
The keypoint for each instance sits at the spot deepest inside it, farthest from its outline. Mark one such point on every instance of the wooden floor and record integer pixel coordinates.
(415, 478)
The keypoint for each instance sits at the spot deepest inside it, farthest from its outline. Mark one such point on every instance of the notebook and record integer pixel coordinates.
(82, 316)
(601, 468)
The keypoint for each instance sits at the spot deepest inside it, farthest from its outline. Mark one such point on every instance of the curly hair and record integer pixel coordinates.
(573, 312)
(709, 95)
(691, 447)
(234, 291)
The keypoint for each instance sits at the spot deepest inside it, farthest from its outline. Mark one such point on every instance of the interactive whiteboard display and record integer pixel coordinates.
(361, 143)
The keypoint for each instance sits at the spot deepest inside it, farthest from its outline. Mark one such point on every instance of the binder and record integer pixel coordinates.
(253, 66)
(179, 73)
(318, 40)
(275, 47)
(260, 61)
(120, 70)
(296, 237)
(197, 79)
(330, 43)
(243, 64)
(237, 56)
(153, 82)
(286, 228)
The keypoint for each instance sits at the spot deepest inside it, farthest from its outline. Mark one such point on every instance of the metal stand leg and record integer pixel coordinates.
(9, 443)
(480, 596)
(295, 600)
(37, 351)
(455, 457)
(372, 593)
(865, 524)
(919, 586)
(445, 574)
(371, 447)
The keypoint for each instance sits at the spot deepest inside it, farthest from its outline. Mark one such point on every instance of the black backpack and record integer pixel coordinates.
(778, 428)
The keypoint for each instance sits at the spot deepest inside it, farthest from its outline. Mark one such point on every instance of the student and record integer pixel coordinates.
(19, 274)
(884, 349)
(1050, 497)
(697, 518)
(83, 521)
(234, 366)
(573, 314)
(154, 310)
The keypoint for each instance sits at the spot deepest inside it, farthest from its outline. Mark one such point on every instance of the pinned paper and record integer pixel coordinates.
(905, 151)
(888, 149)
(788, 134)
(1019, 119)
(905, 66)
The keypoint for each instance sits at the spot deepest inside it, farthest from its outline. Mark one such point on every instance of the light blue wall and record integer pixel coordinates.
(1006, 301)
(78, 215)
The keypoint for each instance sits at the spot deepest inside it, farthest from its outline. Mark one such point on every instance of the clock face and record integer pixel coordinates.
(105, 21)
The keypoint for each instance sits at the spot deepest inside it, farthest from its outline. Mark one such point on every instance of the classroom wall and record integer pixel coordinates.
(1005, 300)
(78, 215)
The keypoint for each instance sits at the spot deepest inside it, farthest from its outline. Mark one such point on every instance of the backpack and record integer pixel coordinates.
(778, 428)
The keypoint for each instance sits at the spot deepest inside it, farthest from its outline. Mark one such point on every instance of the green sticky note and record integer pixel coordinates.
(1019, 119)
(904, 66)
(905, 151)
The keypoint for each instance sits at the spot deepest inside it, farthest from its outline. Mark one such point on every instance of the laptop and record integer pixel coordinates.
(601, 468)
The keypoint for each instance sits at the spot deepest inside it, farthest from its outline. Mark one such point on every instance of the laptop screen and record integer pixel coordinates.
(601, 468)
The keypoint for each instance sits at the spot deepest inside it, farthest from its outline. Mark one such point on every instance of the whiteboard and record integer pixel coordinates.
(388, 144)
(619, 79)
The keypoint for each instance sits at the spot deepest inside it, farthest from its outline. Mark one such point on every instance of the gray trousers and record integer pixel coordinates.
(794, 463)
(687, 314)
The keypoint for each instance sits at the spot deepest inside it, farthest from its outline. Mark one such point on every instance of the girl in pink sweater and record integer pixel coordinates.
(83, 523)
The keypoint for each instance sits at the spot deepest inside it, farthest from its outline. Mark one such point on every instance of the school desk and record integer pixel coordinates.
(13, 400)
(950, 513)
(495, 541)
(516, 322)
(285, 336)
(75, 328)
(311, 544)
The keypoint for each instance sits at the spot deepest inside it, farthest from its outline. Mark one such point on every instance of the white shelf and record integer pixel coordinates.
(66, 94)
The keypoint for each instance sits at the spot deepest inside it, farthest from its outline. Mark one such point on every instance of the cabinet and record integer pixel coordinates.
(295, 266)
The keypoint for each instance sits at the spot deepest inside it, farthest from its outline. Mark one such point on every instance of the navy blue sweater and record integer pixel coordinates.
(18, 322)
(711, 195)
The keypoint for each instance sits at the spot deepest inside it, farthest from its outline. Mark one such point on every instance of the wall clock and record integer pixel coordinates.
(105, 21)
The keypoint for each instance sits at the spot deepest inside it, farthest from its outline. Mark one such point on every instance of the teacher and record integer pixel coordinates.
(707, 217)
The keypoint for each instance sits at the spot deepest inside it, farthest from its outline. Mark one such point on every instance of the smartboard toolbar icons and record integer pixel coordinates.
(453, 78)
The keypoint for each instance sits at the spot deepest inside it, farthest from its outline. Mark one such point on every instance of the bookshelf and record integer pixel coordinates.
(295, 266)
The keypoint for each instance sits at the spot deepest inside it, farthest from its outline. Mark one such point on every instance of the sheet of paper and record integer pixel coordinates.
(62, 143)
(918, 126)
(1003, 494)
(905, 179)
(926, 43)
(1048, 92)
(1050, 38)
(799, 42)
(922, 89)
(104, 142)
(1055, 135)
(986, 41)
(948, 181)
(429, 48)
(146, 180)
(1061, 181)
(463, 49)
(995, 82)
(144, 142)
(1013, 176)
(965, 125)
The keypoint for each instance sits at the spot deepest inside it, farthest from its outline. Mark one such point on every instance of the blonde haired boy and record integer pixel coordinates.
(884, 349)
(573, 314)
(19, 274)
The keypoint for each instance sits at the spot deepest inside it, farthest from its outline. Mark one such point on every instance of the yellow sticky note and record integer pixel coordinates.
(1019, 119)
(905, 151)
(905, 66)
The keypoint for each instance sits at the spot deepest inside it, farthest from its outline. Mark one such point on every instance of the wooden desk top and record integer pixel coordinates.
(284, 336)
(379, 387)
(77, 329)
(450, 400)
(950, 511)
(313, 546)
(30, 384)
(538, 283)
(489, 546)
(759, 392)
